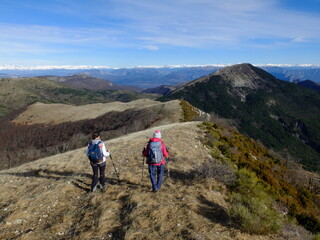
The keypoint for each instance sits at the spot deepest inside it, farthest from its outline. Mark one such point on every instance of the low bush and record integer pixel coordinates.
(251, 206)
(189, 112)
(301, 200)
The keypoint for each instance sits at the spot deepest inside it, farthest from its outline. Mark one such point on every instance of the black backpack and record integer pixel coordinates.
(94, 153)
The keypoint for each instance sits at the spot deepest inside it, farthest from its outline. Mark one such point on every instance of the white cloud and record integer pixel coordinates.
(49, 34)
(210, 23)
(152, 47)
(299, 40)
(154, 24)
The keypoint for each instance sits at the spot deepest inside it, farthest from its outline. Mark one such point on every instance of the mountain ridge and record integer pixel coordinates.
(273, 111)
(308, 84)
(239, 76)
(47, 129)
(40, 113)
(20, 92)
(88, 82)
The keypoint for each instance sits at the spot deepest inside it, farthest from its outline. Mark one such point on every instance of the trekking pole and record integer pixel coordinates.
(168, 168)
(114, 167)
(142, 169)
(143, 151)
(167, 148)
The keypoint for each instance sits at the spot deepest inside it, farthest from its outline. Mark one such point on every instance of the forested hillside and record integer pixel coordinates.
(283, 116)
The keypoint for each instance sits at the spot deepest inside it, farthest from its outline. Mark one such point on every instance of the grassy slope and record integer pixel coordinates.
(40, 113)
(51, 196)
(20, 92)
(63, 127)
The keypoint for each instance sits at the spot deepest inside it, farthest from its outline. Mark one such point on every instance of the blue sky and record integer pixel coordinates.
(126, 33)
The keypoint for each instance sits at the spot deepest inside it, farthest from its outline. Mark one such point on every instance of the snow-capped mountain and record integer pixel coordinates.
(154, 76)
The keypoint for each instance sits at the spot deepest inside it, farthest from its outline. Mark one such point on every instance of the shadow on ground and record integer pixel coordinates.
(214, 212)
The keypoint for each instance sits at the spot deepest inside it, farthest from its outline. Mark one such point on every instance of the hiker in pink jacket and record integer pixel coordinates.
(156, 154)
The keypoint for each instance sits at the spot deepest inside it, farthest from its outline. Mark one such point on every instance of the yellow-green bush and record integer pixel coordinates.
(251, 206)
(269, 170)
(317, 237)
(189, 112)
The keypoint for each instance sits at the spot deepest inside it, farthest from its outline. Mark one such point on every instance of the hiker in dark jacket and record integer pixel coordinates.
(100, 166)
(156, 167)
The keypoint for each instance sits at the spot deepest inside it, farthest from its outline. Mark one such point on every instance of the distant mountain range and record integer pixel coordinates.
(294, 73)
(85, 81)
(150, 77)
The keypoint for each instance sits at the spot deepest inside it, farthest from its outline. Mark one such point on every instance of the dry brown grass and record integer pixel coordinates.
(49, 198)
(41, 113)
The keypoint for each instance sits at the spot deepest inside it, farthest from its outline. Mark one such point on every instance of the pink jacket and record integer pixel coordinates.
(163, 148)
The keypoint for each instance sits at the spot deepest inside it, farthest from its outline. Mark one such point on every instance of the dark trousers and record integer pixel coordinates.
(96, 168)
(156, 176)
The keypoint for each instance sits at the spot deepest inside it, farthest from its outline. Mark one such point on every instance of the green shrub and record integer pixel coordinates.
(251, 206)
(189, 112)
(317, 237)
(270, 171)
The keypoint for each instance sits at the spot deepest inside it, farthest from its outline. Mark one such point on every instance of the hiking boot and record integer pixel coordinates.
(94, 189)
